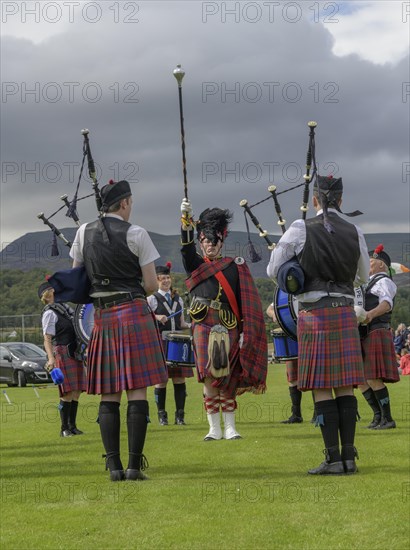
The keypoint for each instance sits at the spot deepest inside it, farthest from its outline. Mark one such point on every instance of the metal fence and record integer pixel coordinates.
(21, 328)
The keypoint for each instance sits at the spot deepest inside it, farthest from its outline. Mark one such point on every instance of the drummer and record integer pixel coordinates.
(168, 308)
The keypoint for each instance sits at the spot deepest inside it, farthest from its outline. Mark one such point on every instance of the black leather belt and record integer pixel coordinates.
(213, 304)
(327, 302)
(105, 302)
(376, 326)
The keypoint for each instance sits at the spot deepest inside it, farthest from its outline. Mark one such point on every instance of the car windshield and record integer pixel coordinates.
(26, 351)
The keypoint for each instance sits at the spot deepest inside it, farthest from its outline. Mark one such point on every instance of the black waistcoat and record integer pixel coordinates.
(110, 264)
(162, 310)
(371, 301)
(65, 333)
(330, 260)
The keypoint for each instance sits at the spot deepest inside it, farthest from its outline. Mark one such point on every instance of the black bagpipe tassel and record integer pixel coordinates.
(253, 255)
(54, 246)
(72, 209)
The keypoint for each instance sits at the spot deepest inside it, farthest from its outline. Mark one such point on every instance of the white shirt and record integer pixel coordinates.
(385, 289)
(138, 241)
(292, 243)
(48, 321)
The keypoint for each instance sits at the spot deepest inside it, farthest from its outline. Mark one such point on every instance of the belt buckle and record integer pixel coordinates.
(215, 305)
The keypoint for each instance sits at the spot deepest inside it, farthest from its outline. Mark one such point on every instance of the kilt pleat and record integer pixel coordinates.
(329, 349)
(379, 356)
(73, 370)
(125, 352)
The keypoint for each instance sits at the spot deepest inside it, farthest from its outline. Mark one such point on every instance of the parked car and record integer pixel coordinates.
(22, 363)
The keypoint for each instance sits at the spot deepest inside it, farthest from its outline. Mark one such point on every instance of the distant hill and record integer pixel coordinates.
(33, 250)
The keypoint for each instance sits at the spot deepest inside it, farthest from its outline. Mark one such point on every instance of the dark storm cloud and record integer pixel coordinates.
(249, 90)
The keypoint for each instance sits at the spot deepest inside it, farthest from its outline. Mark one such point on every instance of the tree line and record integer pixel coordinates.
(19, 294)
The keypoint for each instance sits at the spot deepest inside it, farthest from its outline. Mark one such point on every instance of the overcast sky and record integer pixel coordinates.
(256, 73)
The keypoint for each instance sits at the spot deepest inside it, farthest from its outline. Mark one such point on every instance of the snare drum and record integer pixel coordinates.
(284, 348)
(286, 312)
(178, 350)
(83, 321)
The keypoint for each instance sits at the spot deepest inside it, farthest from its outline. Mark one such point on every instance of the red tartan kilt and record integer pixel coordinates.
(125, 352)
(379, 357)
(200, 332)
(292, 370)
(74, 371)
(329, 349)
(178, 371)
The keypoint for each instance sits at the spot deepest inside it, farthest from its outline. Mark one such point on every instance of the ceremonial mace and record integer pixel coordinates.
(179, 74)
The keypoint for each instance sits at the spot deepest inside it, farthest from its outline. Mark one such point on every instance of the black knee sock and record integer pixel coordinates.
(73, 414)
(137, 420)
(383, 398)
(327, 417)
(347, 406)
(371, 398)
(65, 408)
(296, 398)
(314, 409)
(160, 398)
(109, 415)
(180, 395)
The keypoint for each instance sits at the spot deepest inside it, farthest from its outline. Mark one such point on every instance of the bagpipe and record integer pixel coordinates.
(71, 206)
(73, 285)
(311, 171)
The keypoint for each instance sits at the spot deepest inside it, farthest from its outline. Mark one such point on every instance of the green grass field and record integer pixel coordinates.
(250, 493)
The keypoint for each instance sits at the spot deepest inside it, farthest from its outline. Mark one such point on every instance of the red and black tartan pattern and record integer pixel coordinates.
(379, 357)
(73, 370)
(125, 352)
(177, 371)
(228, 405)
(292, 370)
(211, 404)
(249, 363)
(329, 349)
(200, 332)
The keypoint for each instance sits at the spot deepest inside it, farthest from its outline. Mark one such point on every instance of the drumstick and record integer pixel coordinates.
(175, 313)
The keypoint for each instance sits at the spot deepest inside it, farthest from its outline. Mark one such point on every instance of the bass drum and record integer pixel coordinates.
(83, 322)
(286, 312)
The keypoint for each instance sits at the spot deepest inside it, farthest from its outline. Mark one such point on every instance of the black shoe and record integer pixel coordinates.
(350, 467)
(293, 419)
(386, 425)
(66, 433)
(180, 418)
(117, 475)
(375, 422)
(135, 475)
(163, 418)
(328, 468)
(76, 431)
